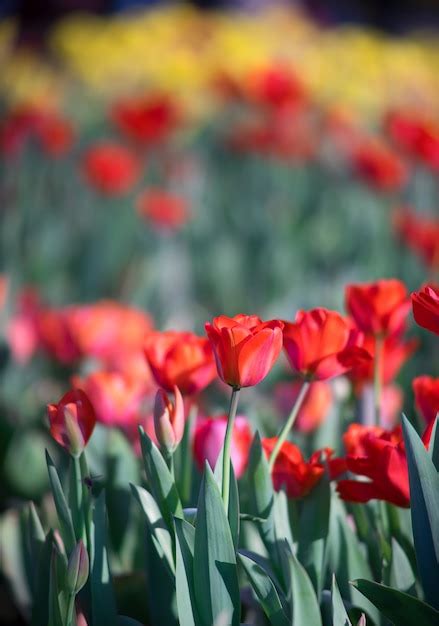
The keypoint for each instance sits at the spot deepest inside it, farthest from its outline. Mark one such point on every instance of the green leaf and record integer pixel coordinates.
(233, 512)
(102, 594)
(64, 516)
(215, 572)
(156, 525)
(313, 532)
(399, 607)
(401, 573)
(424, 499)
(306, 608)
(346, 557)
(265, 591)
(184, 572)
(339, 614)
(160, 481)
(261, 496)
(40, 606)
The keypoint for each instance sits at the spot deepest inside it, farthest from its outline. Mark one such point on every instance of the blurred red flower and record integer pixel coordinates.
(180, 359)
(426, 307)
(245, 348)
(111, 168)
(426, 390)
(314, 409)
(117, 399)
(275, 86)
(418, 135)
(420, 233)
(291, 470)
(147, 120)
(72, 421)
(395, 352)
(209, 437)
(378, 308)
(321, 344)
(166, 211)
(379, 166)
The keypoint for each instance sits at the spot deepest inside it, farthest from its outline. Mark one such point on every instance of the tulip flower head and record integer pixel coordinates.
(72, 421)
(426, 307)
(426, 390)
(322, 344)
(169, 420)
(378, 308)
(245, 348)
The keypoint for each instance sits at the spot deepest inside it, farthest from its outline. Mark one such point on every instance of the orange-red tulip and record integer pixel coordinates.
(166, 211)
(111, 168)
(180, 359)
(378, 308)
(321, 344)
(426, 307)
(245, 348)
(72, 421)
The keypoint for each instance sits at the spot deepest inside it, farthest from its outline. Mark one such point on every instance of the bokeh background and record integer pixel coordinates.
(191, 160)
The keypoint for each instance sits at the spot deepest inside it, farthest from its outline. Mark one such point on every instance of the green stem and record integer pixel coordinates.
(227, 446)
(76, 497)
(377, 379)
(288, 424)
(171, 465)
(69, 610)
(186, 456)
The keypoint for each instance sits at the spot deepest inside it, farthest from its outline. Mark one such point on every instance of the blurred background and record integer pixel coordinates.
(164, 163)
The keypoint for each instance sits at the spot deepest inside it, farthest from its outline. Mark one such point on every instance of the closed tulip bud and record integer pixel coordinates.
(77, 569)
(72, 421)
(169, 420)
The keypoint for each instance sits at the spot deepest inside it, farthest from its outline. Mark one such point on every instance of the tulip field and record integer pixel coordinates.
(219, 320)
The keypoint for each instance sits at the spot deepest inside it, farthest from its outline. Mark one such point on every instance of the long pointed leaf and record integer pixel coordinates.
(184, 573)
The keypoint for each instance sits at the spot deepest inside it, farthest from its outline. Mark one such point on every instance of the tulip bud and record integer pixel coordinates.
(77, 568)
(72, 421)
(362, 620)
(169, 420)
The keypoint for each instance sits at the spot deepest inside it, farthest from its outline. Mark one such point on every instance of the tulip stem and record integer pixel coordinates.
(288, 424)
(227, 446)
(76, 497)
(186, 456)
(377, 379)
(70, 609)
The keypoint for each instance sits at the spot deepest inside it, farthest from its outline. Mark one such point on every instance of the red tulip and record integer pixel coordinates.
(420, 233)
(380, 456)
(379, 166)
(276, 86)
(314, 409)
(180, 359)
(209, 437)
(321, 344)
(72, 421)
(147, 120)
(117, 399)
(245, 348)
(291, 470)
(111, 168)
(169, 420)
(426, 389)
(166, 211)
(426, 307)
(395, 352)
(378, 308)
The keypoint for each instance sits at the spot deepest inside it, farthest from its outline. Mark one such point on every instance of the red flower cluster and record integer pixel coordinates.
(111, 168)
(53, 133)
